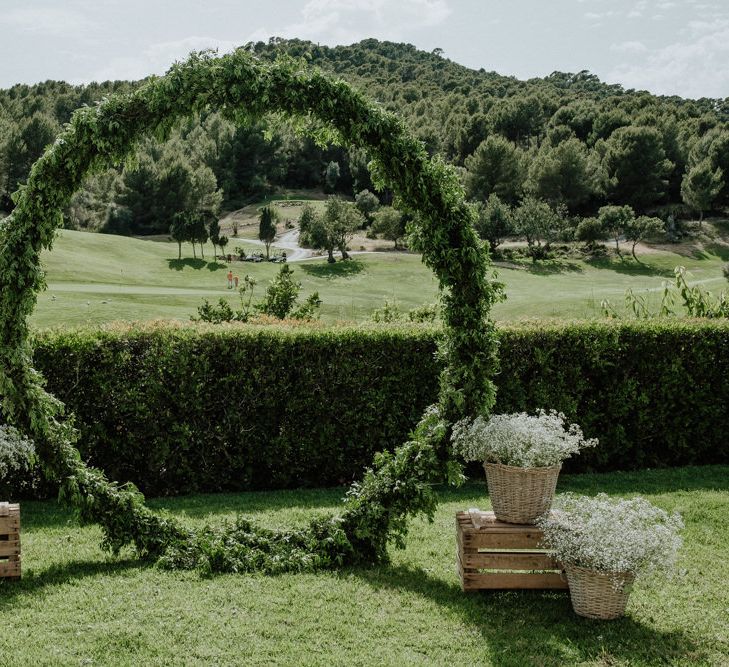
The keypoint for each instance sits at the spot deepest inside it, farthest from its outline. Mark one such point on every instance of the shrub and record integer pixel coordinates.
(177, 409)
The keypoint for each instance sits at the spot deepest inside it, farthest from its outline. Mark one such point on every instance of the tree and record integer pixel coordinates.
(701, 186)
(562, 174)
(636, 165)
(89, 206)
(179, 231)
(25, 144)
(538, 223)
(267, 227)
(222, 242)
(332, 230)
(341, 220)
(331, 175)
(590, 231)
(164, 180)
(197, 231)
(615, 220)
(518, 117)
(714, 147)
(313, 232)
(496, 167)
(642, 228)
(367, 203)
(494, 221)
(390, 224)
(214, 232)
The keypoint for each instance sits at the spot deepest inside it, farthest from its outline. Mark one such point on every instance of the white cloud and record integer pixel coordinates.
(157, 58)
(345, 21)
(696, 67)
(327, 21)
(598, 16)
(629, 47)
(46, 21)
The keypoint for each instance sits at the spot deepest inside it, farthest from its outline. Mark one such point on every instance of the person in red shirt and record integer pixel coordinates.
(230, 280)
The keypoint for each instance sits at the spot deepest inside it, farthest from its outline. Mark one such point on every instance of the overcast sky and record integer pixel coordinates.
(665, 46)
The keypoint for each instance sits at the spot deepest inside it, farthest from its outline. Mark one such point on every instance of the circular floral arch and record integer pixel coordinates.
(398, 485)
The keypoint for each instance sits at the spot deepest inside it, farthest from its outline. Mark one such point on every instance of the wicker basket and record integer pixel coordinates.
(520, 495)
(598, 595)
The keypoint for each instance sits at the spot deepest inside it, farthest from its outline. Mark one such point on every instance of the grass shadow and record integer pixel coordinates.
(719, 250)
(332, 271)
(543, 267)
(547, 267)
(58, 574)
(195, 263)
(628, 266)
(539, 627)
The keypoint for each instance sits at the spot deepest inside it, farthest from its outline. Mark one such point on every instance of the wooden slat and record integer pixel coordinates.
(509, 561)
(9, 541)
(9, 523)
(482, 540)
(10, 548)
(488, 521)
(502, 581)
(459, 570)
(9, 509)
(9, 568)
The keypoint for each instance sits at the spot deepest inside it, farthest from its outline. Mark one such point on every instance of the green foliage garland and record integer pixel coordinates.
(399, 484)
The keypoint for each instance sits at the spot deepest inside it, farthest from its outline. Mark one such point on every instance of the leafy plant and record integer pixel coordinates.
(426, 313)
(696, 301)
(281, 295)
(390, 312)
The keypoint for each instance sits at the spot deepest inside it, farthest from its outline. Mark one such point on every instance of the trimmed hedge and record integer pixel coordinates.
(177, 409)
(180, 409)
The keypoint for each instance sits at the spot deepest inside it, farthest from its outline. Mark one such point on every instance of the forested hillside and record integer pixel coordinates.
(567, 141)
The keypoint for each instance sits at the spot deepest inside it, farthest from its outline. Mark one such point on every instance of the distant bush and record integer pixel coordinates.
(231, 407)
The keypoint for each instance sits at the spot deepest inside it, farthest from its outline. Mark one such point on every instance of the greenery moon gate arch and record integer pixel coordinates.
(398, 485)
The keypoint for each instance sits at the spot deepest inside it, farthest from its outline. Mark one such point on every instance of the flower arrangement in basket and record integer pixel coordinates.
(522, 456)
(604, 544)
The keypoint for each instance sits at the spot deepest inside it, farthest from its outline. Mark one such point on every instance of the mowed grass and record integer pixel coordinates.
(96, 278)
(76, 606)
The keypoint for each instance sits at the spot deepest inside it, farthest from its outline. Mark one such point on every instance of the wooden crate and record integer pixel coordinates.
(9, 541)
(496, 555)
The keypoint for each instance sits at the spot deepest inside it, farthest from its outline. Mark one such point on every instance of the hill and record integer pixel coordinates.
(622, 146)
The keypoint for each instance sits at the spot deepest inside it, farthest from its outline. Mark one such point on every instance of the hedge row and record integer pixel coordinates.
(179, 409)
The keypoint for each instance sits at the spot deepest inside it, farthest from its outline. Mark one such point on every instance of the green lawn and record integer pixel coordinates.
(76, 606)
(96, 278)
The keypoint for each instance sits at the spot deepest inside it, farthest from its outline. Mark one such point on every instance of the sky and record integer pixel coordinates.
(671, 47)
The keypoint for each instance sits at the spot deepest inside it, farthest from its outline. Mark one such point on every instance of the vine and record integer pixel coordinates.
(398, 485)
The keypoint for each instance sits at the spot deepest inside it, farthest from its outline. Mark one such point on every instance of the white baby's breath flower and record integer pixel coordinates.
(519, 439)
(612, 536)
